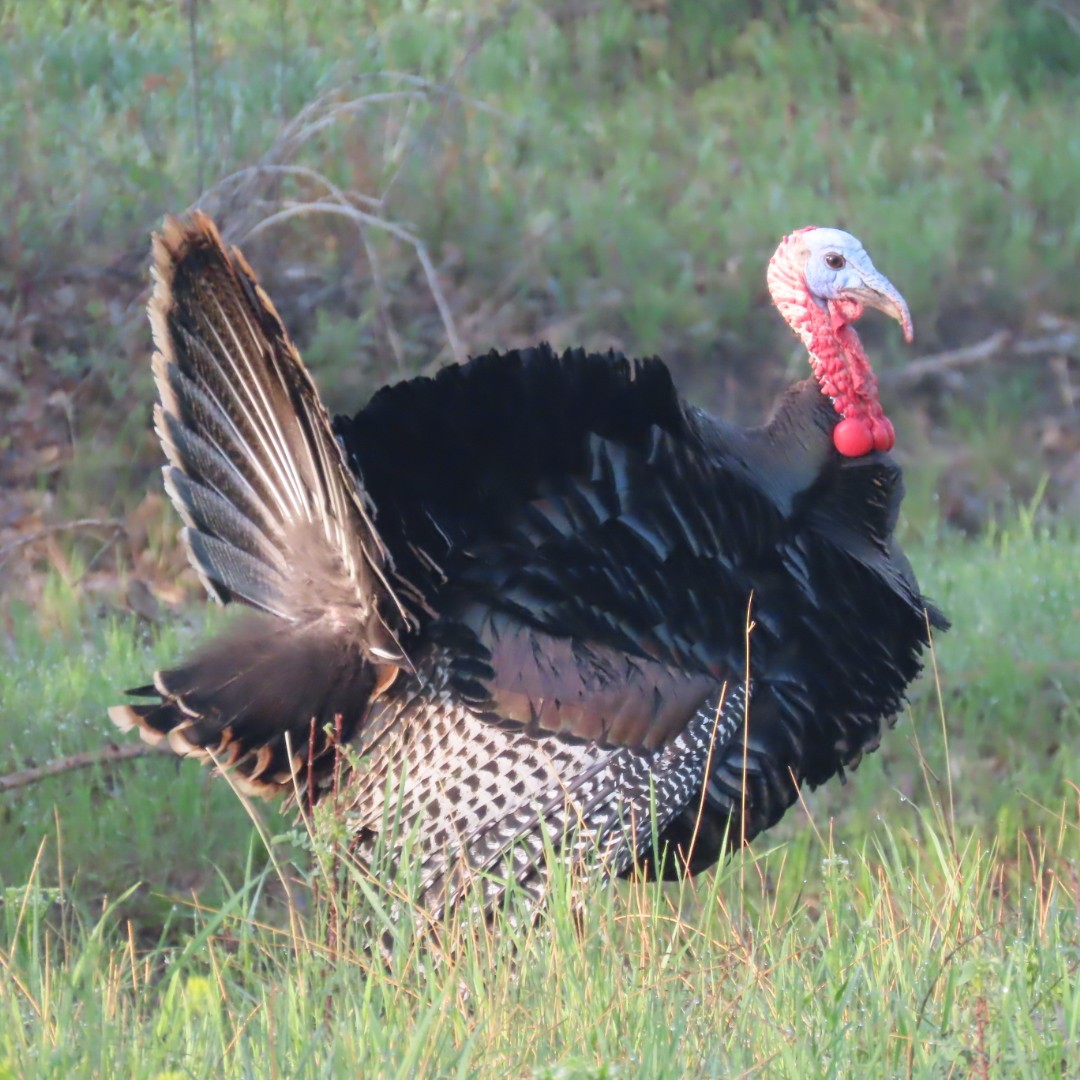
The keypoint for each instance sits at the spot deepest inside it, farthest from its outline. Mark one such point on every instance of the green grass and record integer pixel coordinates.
(601, 174)
(924, 919)
(61, 668)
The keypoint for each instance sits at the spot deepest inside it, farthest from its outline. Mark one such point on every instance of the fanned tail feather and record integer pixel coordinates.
(274, 519)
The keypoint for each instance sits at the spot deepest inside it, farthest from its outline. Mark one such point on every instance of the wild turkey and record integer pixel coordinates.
(552, 606)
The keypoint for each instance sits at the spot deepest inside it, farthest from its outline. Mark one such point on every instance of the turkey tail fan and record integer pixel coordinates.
(269, 503)
(274, 519)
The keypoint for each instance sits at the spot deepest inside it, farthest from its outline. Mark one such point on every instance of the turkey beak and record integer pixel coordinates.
(877, 291)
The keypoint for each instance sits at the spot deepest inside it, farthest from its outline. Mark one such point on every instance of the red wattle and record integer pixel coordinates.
(884, 433)
(853, 438)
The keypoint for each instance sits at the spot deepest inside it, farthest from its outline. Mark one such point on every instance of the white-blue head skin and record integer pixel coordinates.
(837, 268)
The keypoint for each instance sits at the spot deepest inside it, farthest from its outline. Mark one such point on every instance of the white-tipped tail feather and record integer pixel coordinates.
(273, 518)
(254, 468)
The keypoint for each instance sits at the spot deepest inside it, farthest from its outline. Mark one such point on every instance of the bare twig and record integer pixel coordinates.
(249, 187)
(948, 363)
(250, 190)
(114, 524)
(249, 178)
(240, 199)
(106, 755)
(344, 209)
(196, 89)
(937, 364)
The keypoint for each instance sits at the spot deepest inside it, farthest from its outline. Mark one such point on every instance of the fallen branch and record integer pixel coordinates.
(107, 755)
(939, 364)
(942, 365)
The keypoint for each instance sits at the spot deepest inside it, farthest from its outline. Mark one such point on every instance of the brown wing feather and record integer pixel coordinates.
(553, 685)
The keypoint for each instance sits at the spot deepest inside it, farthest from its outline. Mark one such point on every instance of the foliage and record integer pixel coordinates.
(631, 164)
(597, 174)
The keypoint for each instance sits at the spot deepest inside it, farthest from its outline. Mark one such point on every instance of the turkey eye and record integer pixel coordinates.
(834, 261)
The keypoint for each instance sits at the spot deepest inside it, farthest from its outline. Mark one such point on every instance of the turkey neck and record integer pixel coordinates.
(793, 448)
(784, 457)
(837, 357)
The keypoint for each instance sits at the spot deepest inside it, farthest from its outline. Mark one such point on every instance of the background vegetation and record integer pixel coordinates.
(416, 181)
